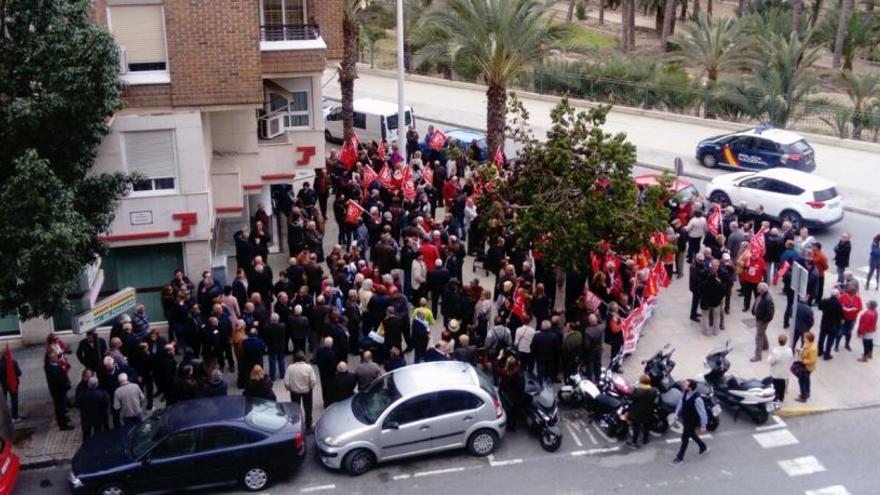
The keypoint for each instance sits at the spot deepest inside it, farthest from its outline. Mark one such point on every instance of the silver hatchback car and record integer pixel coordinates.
(411, 411)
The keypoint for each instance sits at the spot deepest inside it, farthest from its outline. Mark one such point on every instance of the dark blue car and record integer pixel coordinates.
(197, 443)
(759, 148)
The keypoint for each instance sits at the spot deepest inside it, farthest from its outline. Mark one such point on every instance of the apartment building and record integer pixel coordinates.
(221, 106)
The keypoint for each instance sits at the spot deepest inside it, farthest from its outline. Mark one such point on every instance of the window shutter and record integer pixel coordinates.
(141, 30)
(151, 153)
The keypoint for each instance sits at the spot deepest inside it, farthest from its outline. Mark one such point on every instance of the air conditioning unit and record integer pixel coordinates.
(123, 63)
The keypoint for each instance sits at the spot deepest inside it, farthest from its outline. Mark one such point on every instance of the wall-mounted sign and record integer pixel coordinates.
(141, 217)
(105, 310)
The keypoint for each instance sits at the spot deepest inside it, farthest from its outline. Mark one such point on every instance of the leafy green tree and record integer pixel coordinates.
(59, 86)
(575, 190)
(864, 93)
(861, 33)
(502, 38)
(712, 45)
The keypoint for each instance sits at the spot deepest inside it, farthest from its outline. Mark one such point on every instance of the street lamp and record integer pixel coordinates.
(401, 121)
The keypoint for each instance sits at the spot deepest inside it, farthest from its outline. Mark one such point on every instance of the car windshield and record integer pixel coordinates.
(265, 415)
(371, 403)
(486, 383)
(825, 194)
(799, 146)
(145, 435)
(686, 193)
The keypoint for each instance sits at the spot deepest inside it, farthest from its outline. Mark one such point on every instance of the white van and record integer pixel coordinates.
(374, 120)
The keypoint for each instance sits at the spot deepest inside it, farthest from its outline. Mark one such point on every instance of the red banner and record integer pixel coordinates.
(381, 151)
(661, 274)
(370, 176)
(386, 178)
(409, 187)
(427, 174)
(353, 212)
(348, 155)
(781, 272)
(713, 223)
(756, 245)
(438, 140)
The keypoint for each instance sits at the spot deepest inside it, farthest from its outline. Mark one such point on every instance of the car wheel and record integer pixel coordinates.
(359, 461)
(792, 217)
(761, 417)
(327, 136)
(720, 198)
(113, 489)
(709, 160)
(255, 479)
(482, 442)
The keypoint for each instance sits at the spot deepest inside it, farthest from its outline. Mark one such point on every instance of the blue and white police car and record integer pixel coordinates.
(758, 148)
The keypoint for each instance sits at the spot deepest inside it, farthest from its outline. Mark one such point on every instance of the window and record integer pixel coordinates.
(265, 415)
(779, 187)
(741, 142)
(283, 20)
(360, 120)
(392, 120)
(152, 154)
(825, 194)
(368, 405)
(415, 409)
(181, 443)
(140, 33)
(221, 437)
(754, 183)
(765, 145)
(335, 114)
(298, 115)
(453, 401)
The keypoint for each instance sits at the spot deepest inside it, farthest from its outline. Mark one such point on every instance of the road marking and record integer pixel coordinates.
(775, 438)
(438, 471)
(401, 477)
(589, 433)
(777, 423)
(602, 434)
(573, 434)
(706, 436)
(828, 490)
(318, 488)
(578, 453)
(800, 466)
(508, 462)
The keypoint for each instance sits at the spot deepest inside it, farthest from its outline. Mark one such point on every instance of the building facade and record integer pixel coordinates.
(222, 106)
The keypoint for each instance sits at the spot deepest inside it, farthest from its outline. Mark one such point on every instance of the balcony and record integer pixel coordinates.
(276, 37)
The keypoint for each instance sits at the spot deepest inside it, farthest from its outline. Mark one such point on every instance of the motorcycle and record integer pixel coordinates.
(659, 370)
(542, 412)
(753, 396)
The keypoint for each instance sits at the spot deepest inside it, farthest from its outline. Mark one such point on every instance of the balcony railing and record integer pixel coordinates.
(289, 32)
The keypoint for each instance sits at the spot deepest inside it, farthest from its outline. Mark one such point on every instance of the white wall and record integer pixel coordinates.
(234, 131)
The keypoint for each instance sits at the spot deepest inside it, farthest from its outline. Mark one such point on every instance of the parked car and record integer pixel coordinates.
(414, 410)
(680, 205)
(787, 195)
(374, 120)
(759, 148)
(9, 466)
(200, 442)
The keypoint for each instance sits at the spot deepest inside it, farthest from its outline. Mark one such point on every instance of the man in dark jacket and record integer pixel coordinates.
(641, 410)
(59, 384)
(546, 349)
(299, 329)
(92, 403)
(275, 336)
(841, 255)
(763, 311)
(691, 411)
(343, 384)
(326, 360)
(336, 329)
(712, 291)
(91, 350)
(253, 348)
(695, 281)
(803, 322)
(394, 328)
(594, 335)
(832, 317)
(438, 279)
(216, 386)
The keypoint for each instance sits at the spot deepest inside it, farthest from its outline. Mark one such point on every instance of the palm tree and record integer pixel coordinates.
(845, 11)
(712, 46)
(862, 31)
(501, 38)
(352, 11)
(864, 92)
(668, 23)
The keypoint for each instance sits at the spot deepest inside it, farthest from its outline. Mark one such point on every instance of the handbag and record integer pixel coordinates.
(798, 369)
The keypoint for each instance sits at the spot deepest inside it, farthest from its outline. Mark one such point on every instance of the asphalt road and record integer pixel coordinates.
(804, 455)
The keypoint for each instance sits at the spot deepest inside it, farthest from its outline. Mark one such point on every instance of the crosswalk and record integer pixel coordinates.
(861, 274)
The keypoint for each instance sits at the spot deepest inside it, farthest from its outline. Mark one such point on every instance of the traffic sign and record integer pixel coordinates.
(799, 277)
(105, 310)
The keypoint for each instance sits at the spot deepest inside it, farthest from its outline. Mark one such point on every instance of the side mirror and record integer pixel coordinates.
(391, 425)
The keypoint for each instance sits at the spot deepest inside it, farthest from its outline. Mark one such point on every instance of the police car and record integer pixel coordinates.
(758, 148)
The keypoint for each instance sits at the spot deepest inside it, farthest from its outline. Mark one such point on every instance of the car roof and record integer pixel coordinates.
(433, 376)
(652, 180)
(780, 136)
(465, 134)
(797, 177)
(209, 410)
(378, 107)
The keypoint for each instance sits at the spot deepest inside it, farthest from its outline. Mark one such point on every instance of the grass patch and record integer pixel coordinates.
(590, 39)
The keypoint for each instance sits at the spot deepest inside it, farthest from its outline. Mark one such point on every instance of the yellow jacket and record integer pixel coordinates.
(809, 356)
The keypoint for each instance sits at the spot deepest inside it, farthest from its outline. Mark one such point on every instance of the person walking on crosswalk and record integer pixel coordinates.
(691, 411)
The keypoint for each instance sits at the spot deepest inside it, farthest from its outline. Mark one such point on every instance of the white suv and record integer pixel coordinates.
(786, 194)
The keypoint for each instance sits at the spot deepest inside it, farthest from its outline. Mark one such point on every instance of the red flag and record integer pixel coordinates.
(519, 306)
(651, 288)
(409, 188)
(438, 140)
(381, 151)
(499, 158)
(595, 262)
(780, 273)
(713, 223)
(348, 155)
(756, 245)
(592, 299)
(427, 175)
(353, 212)
(11, 375)
(661, 274)
(370, 176)
(386, 178)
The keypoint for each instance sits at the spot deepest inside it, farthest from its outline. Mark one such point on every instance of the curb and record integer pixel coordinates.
(791, 412)
(44, 464)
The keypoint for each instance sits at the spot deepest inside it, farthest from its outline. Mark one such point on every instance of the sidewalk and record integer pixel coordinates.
(659, 137)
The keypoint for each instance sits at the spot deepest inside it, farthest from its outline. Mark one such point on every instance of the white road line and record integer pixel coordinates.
(589, 433)
(775, 438)
(801, 466)
(573, 434)
(706, 436)
(508, 462)
(401, 477)
(578, 453)
(828, 490)
(318, 488)
(438, 471)
(602, 434)
(777, 423)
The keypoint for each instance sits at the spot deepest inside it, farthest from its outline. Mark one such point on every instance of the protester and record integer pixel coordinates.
(641, 411)
(691, 411)
(128, 401)
(259, 385)
(300, 381)
(92, 403)
(763, 310)
(366, 371)
(780, 361)
(809, 357)
(867, 329)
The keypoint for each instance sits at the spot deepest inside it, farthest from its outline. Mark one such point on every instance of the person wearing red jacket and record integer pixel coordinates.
(431, 254)
(867, 329)
(752, 274)
(852, 306)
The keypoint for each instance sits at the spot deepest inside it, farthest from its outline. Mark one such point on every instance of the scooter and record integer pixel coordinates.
(542, 412)
(659, 370)
(753, 396)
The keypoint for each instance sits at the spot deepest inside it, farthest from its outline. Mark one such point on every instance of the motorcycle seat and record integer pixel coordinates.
(735, 383)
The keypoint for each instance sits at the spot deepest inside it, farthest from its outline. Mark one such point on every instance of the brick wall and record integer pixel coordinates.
(289, 61)
(150, 95)
(214, 52)
(328, 15)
